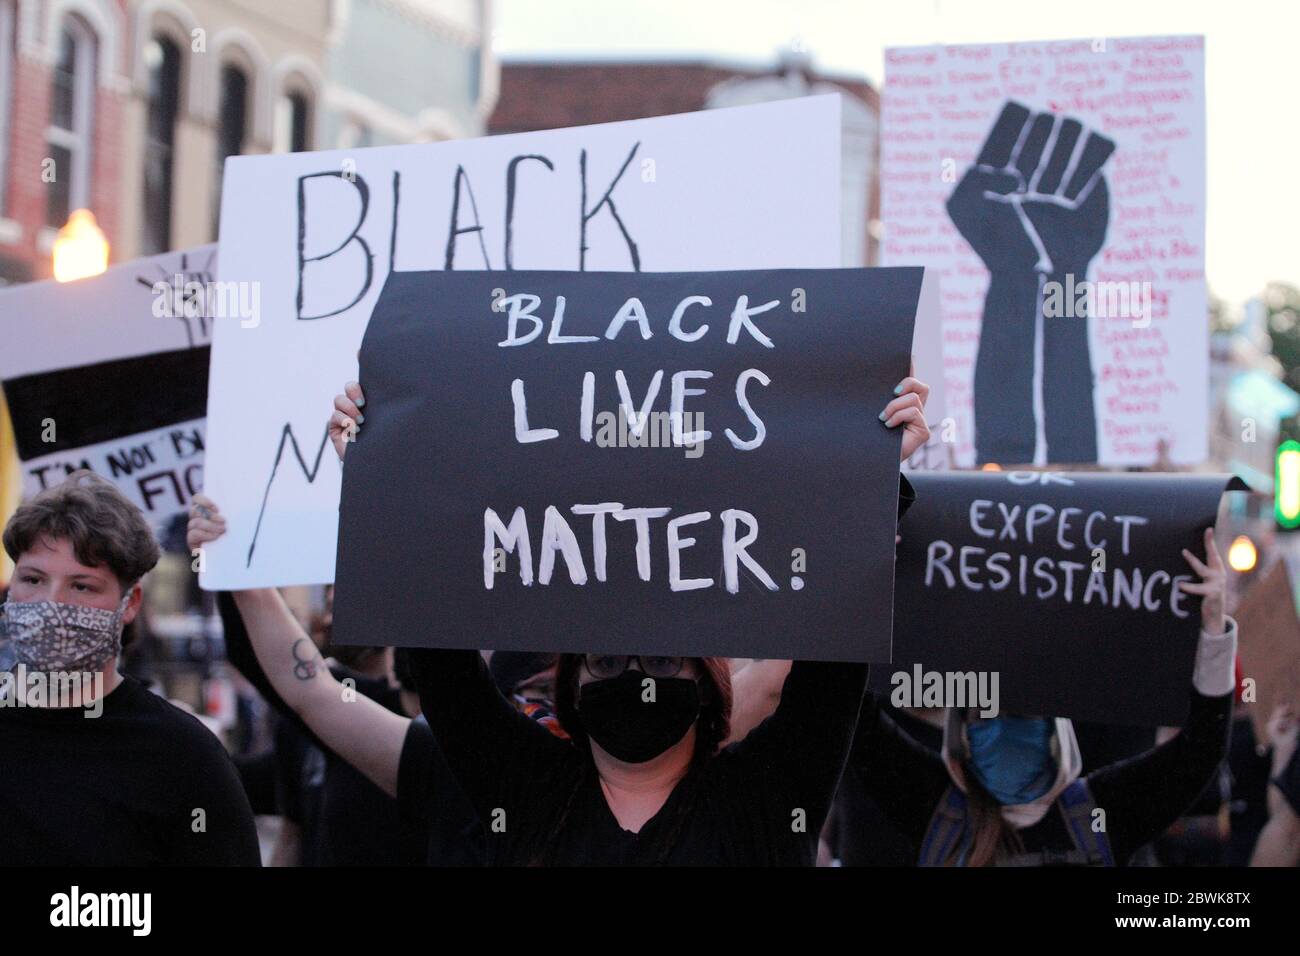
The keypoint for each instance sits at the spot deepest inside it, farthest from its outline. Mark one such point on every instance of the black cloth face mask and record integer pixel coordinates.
(630, 728)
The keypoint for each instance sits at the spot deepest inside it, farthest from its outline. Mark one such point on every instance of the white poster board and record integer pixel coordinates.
(1059, 188)
(109, 373)
(316, 234)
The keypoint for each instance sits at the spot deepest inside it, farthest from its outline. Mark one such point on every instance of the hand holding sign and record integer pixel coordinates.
(909, 409)
(347, 417)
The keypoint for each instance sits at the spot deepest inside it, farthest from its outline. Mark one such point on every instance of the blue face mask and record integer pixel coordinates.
(1011, 757)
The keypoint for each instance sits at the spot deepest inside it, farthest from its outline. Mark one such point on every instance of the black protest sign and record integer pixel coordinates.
(678, 463)
(1065, 584)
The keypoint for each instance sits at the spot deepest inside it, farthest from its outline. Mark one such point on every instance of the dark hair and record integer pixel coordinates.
(104, 528)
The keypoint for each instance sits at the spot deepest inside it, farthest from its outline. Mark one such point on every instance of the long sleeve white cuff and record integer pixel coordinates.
(1216, 654)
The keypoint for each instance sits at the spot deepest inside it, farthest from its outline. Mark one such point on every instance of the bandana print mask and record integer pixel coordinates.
(49, 636)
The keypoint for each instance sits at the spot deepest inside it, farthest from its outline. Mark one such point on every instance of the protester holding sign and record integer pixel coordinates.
(111, 774)
(402, 805)
(326, 794)
(1007, 790)
(646, 784)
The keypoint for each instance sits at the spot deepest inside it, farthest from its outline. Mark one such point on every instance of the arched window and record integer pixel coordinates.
(232, 125)
(163, 60)
(69, 135)
(292, 123)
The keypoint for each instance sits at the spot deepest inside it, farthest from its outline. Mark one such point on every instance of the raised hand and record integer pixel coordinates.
(1210, 587)
(205, 524)
(1030, 203)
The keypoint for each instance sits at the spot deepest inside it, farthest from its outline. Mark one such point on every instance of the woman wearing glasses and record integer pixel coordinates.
(648, 781)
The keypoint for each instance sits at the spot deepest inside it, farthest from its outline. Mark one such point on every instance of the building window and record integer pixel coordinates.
(68, 136)
(163, 59)
(292, 121)
(232, 126)
(6, 91)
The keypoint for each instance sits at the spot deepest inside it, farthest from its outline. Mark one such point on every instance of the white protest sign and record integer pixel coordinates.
(1059, 188)
(109, 373)
(318, 234)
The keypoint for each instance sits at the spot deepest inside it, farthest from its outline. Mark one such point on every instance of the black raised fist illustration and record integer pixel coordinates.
(1025, 204)
(1035, 208)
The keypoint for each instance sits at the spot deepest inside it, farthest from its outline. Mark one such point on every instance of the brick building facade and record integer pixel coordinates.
(41, 41)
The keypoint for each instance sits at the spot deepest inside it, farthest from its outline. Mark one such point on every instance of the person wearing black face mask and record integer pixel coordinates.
(610, 699)
(645, 779)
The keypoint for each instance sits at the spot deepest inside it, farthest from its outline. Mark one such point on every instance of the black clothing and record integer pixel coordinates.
(257, 775)
(1288, 781)
(866, 834)
(1248, 809)
(430, 800)
(1141, 795)
(346, 820)
(142, 784)
(761, 800)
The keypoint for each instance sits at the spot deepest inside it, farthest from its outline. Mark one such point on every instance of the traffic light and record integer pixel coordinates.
(1286, 487)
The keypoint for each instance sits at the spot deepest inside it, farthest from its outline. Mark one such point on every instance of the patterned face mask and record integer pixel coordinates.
(49, 636)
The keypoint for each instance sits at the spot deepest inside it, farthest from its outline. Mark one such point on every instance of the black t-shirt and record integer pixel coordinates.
(299, 778)
(866, 834)
(759, 801)
(357, 823)
(141, 784)
(346, 820)
(257, 774)
(430, 801)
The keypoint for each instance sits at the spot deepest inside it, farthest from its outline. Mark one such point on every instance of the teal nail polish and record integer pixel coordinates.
(360, 418)
(898, 390)
(881, 416)
(360, 402)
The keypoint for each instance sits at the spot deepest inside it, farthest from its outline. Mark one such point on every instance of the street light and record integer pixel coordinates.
(1242, 554)
(80, 248)
(1286, 490)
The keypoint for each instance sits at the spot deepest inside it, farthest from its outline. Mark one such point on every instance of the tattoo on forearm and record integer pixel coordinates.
(304, 668)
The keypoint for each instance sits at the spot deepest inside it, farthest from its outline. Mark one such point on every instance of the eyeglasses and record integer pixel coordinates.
(605, 666)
